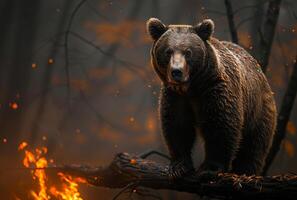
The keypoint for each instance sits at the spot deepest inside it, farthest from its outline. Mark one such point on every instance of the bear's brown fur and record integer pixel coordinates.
(226, 97)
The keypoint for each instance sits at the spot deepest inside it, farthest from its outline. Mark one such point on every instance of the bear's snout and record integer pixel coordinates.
(178, 68)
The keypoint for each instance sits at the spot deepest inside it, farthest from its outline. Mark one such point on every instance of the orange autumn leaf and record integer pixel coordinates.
(107, 133)
(146, 139)
(289, 148)
(127, 33)
(99, 73)
(291, 129)
(80, 84)
(125, 77)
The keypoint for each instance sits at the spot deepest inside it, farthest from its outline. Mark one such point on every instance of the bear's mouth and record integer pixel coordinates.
(174, 83)
(180, 87)
(180, 83)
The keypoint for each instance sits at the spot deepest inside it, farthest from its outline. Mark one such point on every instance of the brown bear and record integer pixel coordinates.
(216, 89)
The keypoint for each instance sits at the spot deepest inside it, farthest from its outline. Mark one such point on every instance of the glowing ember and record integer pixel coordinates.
(133, 161)
(34, 65)
(36, 159)
(50, 61)
(23, 145)
(131, 119)
(14, 106)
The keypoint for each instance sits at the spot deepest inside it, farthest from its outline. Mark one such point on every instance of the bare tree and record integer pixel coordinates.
(48, 74)
(266, 32)
(18, 74)
(262, 51)
(283, 117)
(230, 17)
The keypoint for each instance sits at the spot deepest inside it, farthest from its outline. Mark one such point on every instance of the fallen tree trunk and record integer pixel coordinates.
(128, 172)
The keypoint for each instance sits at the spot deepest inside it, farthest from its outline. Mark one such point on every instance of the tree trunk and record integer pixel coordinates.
(266, 34)
(283, 117)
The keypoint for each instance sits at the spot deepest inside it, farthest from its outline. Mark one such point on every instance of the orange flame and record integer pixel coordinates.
(23, 145)
(37, 160)
(70, 188)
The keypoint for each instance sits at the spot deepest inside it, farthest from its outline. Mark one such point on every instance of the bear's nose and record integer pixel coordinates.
(177, 74)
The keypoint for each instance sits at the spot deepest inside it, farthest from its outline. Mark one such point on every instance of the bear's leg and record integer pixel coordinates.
(255, 145)
(222, 132)
(178, 130)
(221, 144)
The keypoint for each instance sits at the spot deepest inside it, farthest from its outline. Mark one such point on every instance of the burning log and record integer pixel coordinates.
(128, 172)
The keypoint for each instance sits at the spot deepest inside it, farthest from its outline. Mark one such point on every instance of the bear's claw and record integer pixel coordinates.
(178, 169)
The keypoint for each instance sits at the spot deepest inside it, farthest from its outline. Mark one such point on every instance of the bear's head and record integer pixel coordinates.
(179, 51)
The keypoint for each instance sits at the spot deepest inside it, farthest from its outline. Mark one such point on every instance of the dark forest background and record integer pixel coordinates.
(75, 76)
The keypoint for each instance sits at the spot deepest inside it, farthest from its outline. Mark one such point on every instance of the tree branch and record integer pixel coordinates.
(129, 65)
(263, 47)
(247, 7)
(128, 171)
(230, 17)
(66, 39)
(283, 117)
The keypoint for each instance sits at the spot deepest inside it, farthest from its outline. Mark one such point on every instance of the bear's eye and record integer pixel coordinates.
(188, 53)
(168, 52)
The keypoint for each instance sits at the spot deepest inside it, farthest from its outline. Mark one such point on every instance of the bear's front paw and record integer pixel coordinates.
(206, 175)
(180, 168)
(208, 170)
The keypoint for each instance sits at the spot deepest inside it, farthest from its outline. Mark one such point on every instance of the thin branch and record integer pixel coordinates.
(290, 11)
(93, 9)
(48, 74)
(113, 48)
(236, 11)
(123, 190)
(126, 170)
(152, 152)
(230, 17)
(66, 39)
(131, 66)
(283, 117)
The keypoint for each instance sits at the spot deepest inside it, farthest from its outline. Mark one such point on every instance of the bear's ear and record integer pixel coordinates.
(205, 29)
(155, 28)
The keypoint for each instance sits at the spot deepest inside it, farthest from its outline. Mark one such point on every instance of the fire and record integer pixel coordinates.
(23, 145)
(70, 190)
(36, 159)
